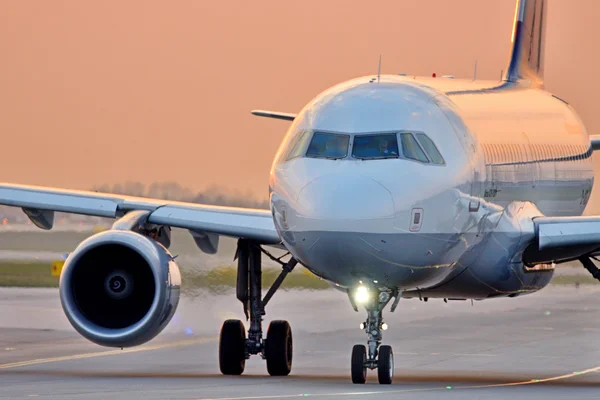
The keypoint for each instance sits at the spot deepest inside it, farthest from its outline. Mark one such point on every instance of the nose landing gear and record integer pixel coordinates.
(373, 356)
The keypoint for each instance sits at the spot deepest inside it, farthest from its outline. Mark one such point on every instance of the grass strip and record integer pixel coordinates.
(216, 280)
(26, 274)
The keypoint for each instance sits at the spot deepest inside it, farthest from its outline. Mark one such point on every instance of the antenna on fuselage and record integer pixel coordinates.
(475, 71)
(379, 69)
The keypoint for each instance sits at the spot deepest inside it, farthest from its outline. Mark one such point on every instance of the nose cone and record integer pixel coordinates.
(345, 197)
(343, 227)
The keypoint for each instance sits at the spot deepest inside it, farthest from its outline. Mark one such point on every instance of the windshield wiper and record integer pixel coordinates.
(375, 158)
(327, 158)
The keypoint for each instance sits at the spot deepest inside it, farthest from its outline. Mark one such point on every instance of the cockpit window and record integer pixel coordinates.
(328, 145)
(298, 145)
(375, 146)
(411, 148)
(430, 149)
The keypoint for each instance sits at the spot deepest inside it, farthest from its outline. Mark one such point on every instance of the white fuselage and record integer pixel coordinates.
(508, 154)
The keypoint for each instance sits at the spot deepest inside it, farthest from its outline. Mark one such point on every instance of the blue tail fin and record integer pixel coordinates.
(526, 62)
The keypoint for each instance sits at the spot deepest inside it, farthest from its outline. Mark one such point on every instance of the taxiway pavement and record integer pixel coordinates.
(540, 346)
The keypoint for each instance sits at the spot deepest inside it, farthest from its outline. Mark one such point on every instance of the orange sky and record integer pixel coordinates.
(96, 92)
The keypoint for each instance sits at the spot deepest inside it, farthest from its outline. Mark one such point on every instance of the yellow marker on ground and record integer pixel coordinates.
(99, 228)
(57, 267)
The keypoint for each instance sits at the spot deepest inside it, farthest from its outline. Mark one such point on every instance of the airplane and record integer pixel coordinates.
(386, 186)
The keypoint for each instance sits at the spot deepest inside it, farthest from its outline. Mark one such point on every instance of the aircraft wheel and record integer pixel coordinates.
(385, 365)
(232, 351)
(358, 364)
(279, 348)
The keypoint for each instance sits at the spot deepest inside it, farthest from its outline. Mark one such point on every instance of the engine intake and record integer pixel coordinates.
(119, 288)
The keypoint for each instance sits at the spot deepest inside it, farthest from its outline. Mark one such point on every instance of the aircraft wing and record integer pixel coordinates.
(562, 239)
(274, 114)
(595, 141)
(567, 231)
(39, 203)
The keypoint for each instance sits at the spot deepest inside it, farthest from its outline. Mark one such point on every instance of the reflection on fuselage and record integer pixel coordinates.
(472, 166)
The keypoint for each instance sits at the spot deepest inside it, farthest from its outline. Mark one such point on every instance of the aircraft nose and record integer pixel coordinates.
(343, 197)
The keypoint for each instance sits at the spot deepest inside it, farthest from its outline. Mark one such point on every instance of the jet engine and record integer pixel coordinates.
(119, 288)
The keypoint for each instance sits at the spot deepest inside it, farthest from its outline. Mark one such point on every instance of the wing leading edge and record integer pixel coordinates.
(567, 231)
(562, 239)
(274, 115)
(37, 202)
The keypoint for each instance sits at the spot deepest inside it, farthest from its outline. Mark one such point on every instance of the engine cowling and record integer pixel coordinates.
(119, 288)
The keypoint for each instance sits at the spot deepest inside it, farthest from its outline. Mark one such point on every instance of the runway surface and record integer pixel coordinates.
(541, 346)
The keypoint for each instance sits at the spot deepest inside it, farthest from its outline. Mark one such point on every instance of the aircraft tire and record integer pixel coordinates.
(232, 351)
(358, 365)
(385, 365)
(279, 348)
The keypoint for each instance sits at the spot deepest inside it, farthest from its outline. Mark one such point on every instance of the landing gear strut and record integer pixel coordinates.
(373, 356)
(234, 347)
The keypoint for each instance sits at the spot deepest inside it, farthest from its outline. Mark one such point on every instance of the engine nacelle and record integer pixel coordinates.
(119, 288)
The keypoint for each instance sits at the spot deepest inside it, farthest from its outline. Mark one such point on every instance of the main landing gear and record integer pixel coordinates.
(234, 347)
(373, 356)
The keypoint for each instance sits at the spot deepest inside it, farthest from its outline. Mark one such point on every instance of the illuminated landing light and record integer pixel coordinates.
(384, 326)
(362, 295)
(362, 325)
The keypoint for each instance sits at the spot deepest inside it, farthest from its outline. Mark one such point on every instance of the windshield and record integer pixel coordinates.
(411, 149)
(375, 146)
(430, 149)
(297, 145)
(328, 145)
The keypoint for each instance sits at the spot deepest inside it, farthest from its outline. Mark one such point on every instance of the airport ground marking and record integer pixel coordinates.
(81, 356)
(432, 389)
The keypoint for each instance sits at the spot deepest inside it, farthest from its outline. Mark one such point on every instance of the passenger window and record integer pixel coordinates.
(411, 148)
(375, 146)
(328, 145)
(430, 149)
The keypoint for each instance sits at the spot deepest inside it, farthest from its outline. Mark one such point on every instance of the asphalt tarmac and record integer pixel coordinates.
(540, 346)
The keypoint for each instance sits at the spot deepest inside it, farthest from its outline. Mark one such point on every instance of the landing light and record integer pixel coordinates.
(384, 326)
(361, 295)
(362, 325)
